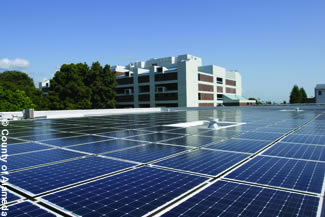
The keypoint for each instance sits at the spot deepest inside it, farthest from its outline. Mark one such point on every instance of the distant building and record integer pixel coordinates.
(180, 81)
(320, 93)
(44, 84)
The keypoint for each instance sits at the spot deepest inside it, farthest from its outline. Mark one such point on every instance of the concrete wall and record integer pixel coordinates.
(320, 98)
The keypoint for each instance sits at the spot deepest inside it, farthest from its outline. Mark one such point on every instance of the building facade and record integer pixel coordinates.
(320, 93)
(180, 81)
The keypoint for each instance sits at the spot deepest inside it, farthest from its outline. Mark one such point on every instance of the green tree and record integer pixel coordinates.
(76, 86)
(15, 80)
(14, 100)
(67, 89)
(102, 83)
(257, 102)
(303, 95)
(295, 96)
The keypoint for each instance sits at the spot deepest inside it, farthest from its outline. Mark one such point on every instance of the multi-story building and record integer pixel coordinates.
(320, 93)
(180, 81)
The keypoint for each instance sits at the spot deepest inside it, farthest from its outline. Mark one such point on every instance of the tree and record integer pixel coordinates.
(76, 86)
(14, 100)
(303, 95)
(257, 102)
(67, 89)
(295, 95)
(15, 80)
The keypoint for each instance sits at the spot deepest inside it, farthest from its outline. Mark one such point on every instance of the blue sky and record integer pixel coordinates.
(274, 44)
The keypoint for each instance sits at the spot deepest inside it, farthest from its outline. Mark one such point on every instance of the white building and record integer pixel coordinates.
(180, 81)
(44, 84)
(320, 93)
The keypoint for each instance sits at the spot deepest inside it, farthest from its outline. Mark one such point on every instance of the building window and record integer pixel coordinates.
(219, 81)
(199, 96)
(219, 97)
(319, 93)
(159, 69)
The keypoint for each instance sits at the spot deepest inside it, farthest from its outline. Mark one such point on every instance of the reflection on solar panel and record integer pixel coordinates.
(261, 136)
(230, 199)
(61, 174)
(106, 146)
(132, 193)
(147, 153)
(204, 161)
(193, 140)
(306, 139)
(155, 137)
(240, 145)
(25, 147)
(287, 173)
(84, 165)
(41, 157)
(74, 140)
(297, 150)
(28, 209)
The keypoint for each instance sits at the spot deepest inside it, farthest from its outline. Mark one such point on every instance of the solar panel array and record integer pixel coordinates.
(137, 165)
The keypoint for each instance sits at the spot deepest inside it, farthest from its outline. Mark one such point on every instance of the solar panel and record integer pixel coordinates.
(287, 173)
(154, 137)
(221, 133)
(147, 153)
(297, 150)
(124, 133)
(40, 137)
(25, 147)
(74, 140)
(28, 209)
(305, 139)
(261, 136)
(40, 157)
(132, 193)
(232, 199)
(204, 161)
(193, 140)
(240, 145)
(106, 146)
(10, 196)
(190, 130)
(42, 179)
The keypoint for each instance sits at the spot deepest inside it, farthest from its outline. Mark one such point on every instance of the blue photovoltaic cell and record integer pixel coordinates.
(61, 174)
(124, 133)
(11, 141)
(306, 139)
(193, 140)
(296, 150)
(11, 196)
(132, 193)
(106, 146)
(274, 130)
(232, 199)
(261, 136)
(25, 147)
(40, 157)
(48, 136)
(147, 153)
(29, 210)
(154, 137)
(295, 174)
(221, 133)
(74, 140)
(204, 161)
(240, 145)
(189, 130)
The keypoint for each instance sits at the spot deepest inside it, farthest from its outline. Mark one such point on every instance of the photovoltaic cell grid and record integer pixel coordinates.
(42, 179)
(28, 209)
(143, 138)
(132, 193)
(231, 199)
(287, 173)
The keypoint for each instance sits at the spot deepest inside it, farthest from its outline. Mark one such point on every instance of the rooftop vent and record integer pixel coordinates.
(213, 123)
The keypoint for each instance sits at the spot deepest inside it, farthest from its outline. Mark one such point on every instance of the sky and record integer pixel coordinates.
(274, 44)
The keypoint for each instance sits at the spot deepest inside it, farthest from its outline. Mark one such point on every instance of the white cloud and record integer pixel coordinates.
(6, 63)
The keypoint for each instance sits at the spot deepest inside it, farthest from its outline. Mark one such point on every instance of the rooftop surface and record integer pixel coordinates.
(136, 165)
